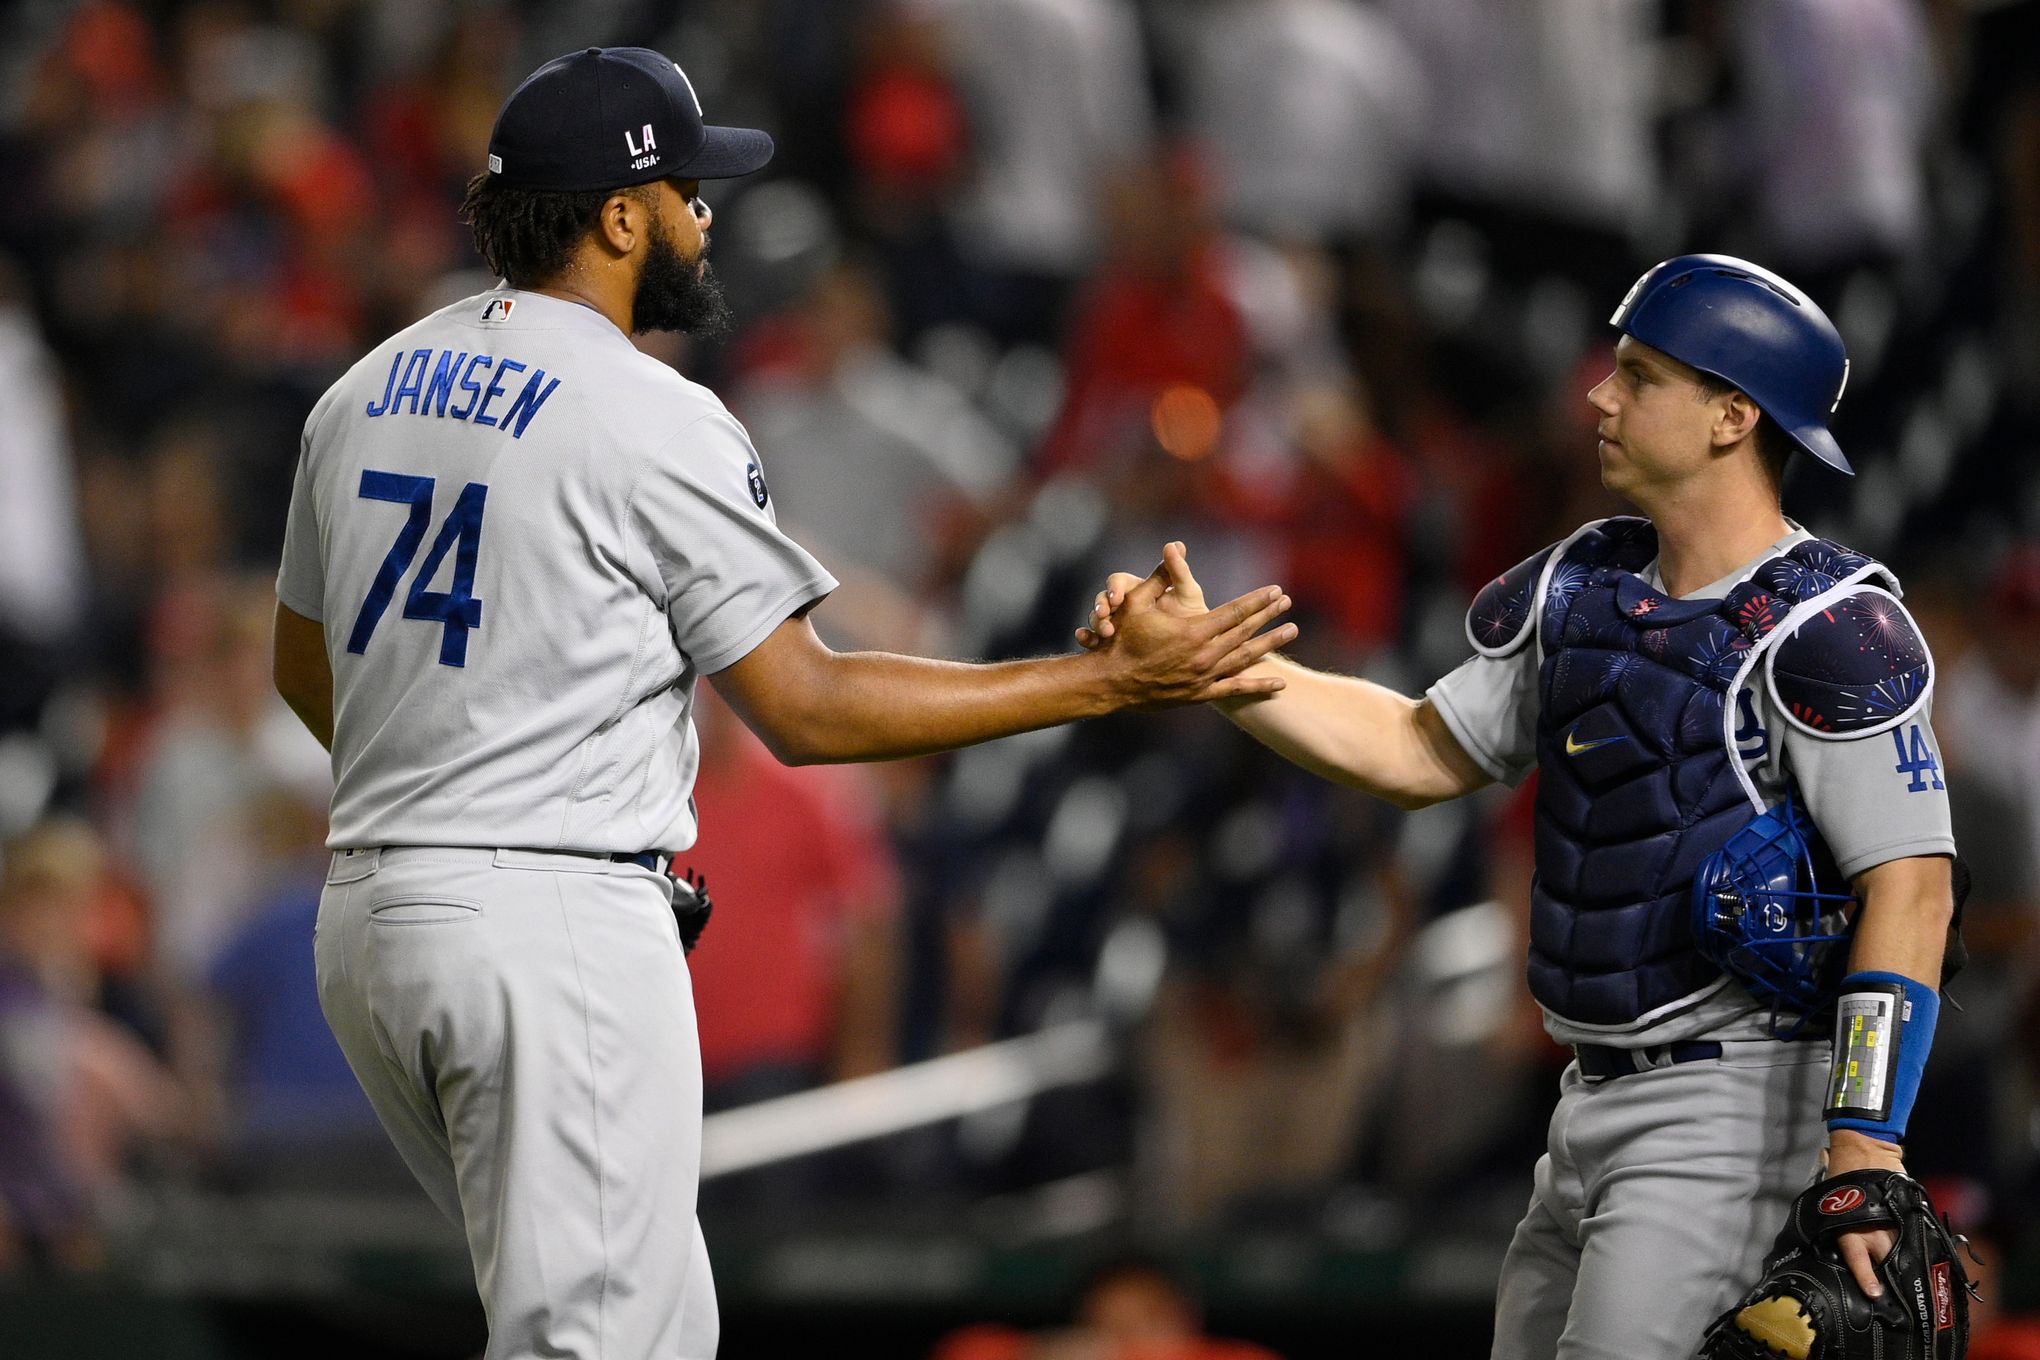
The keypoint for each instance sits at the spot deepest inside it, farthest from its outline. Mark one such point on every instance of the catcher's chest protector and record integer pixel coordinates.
(1639, 775)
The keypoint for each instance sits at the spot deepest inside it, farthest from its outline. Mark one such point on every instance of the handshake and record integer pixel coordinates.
(1165, 647)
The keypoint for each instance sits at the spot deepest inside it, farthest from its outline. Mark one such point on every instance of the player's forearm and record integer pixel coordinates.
(1358, 733)
(812, 704)
(1907, 905)
(882, 706)
(1902, 932)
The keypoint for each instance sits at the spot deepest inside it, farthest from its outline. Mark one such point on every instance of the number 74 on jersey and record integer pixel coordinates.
(460, 533)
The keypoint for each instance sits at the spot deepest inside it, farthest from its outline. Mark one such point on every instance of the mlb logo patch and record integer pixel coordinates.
(498, 309)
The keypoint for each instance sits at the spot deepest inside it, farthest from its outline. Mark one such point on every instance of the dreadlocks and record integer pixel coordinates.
(526, 235)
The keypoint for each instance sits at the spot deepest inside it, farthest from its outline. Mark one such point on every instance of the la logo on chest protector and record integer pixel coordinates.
(643, 156)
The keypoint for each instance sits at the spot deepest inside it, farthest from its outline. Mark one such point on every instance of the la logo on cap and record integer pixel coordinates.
(642, 157)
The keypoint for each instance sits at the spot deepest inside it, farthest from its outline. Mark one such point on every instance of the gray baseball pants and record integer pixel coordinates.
(522, 1023)
(1659, 1195)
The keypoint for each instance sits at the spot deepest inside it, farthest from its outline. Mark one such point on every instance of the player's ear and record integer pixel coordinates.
(621, 221)
(1737, 420)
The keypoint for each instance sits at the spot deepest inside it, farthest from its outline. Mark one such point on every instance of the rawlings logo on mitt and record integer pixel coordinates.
(1808, 1305)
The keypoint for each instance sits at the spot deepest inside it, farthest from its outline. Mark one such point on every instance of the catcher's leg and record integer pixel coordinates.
(1537, 1280)
(1689, 1172)
(1543, 1262)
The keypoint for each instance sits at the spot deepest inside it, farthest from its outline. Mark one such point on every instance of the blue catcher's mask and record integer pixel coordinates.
(1758, 911)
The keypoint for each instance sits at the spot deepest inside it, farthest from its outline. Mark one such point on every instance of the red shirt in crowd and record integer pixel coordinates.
(794, 858)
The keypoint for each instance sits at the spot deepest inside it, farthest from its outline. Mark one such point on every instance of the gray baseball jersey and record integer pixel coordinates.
(527, 540)
(1869, 808)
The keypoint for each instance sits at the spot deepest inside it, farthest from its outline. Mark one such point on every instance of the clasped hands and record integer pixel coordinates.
(1176, 650)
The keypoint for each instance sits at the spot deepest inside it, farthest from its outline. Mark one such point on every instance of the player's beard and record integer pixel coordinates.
(675, 293)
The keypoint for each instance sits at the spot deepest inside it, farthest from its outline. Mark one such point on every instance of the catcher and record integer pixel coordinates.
(1742, 848)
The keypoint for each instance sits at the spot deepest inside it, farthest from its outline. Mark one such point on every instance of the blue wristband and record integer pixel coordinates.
(1884, 1028)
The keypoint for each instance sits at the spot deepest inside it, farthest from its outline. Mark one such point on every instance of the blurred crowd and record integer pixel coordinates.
(1032, 286)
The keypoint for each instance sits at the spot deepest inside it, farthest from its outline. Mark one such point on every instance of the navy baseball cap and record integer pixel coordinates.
(611, 117)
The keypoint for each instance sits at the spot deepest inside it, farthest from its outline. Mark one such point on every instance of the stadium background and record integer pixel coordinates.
(1032, 286)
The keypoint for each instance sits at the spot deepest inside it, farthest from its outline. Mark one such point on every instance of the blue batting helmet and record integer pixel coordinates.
(1746, 326)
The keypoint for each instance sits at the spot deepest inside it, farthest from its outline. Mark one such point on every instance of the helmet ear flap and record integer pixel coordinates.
(1760, 912)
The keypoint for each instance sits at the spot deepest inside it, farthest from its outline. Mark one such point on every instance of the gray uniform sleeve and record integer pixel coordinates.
(1875, 798)
(301, 580)
(730, 576)
(1490, 705)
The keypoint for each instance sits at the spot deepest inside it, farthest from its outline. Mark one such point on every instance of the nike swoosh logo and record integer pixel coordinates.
(1574, 746)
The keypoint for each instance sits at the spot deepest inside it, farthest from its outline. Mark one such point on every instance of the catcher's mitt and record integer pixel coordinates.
(691, 908)
(1808, 1305)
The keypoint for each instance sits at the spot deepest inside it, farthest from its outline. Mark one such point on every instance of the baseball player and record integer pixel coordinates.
(1709, 693)
(514, 544)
